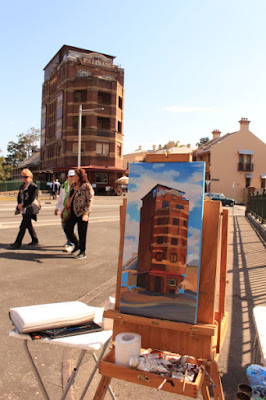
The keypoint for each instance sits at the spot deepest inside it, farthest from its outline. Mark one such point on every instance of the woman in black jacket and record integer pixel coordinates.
(28, 192)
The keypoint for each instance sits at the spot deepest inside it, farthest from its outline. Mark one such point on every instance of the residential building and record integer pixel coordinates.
(234, 162)
(32, 163)
(75, 77)
(139, 155)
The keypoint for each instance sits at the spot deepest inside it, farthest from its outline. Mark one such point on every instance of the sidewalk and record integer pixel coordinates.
(246, 289)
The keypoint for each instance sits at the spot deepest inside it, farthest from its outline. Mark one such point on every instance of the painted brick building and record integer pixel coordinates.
(77, 77)
(163, 239)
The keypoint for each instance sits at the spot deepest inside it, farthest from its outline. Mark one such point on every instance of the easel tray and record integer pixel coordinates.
(109, 369)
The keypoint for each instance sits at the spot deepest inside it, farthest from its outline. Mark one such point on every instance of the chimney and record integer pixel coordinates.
(154, 147)
(244, 124)
(170, 144)
(140, 147)
(188, 145)
(216, 134)
(160, 147)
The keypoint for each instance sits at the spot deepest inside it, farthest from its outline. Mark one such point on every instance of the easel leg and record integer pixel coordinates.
(102, 388)
(94, 369)
(205, 393)
(110, 390)
(73, 375)
(36, 372)
(218, 390)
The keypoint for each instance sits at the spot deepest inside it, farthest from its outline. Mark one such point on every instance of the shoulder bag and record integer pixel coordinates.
(34, 208)
(66, 212)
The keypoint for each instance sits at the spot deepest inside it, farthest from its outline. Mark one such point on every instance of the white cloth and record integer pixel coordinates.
(53, 315)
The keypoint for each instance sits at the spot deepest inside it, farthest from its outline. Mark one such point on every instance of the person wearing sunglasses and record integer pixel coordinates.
(28, 192)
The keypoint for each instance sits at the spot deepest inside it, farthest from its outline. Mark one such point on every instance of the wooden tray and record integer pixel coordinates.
(110, 369)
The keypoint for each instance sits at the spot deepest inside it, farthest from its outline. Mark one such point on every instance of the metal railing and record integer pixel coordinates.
(10, 186)
(245, 166)
(257, 206)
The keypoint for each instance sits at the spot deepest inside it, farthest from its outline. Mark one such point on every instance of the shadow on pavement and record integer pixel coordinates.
(248, 291)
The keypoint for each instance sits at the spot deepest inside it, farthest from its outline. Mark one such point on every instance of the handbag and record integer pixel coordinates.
(66, 212)
(34, 208)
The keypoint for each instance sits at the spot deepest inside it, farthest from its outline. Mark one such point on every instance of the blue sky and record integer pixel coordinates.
(185, 177)
(190, 66)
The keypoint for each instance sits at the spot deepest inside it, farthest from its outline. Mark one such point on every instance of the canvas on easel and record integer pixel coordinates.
(162, 242)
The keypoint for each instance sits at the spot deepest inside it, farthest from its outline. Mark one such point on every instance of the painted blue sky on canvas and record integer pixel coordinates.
(186, 177)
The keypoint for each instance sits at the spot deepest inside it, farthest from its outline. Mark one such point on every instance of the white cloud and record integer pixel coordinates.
(145, 182)
(182, 109)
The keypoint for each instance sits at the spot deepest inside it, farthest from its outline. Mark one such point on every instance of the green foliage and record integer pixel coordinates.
(202, 141)
(22, 149)
(5, 169)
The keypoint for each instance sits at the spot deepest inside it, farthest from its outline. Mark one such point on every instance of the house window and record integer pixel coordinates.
(120, 102)
(173, 257)
(160, 239)
(165, 204)
(119, 149)
(83, 73)
(174, 241)
(119, 126)
(101, 177)
(175, 221)
(75, 122)
(158, 256)
(102, 148)
(80, 96)
(263, 183)
(248, 180)
(103, 123)
(75, 148)
(104, 98)
(171, 282)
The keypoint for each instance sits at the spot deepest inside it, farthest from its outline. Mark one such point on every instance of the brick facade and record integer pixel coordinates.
(77, 76)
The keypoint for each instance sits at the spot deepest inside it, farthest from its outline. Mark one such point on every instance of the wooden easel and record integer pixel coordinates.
(202, 340)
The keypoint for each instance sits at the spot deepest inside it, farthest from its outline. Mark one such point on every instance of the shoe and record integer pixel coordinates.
(15, 246)
(68, 248)
(76, 248)
(33, 243)
(80, 256)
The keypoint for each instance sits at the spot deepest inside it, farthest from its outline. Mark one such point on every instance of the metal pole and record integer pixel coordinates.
(79, 135)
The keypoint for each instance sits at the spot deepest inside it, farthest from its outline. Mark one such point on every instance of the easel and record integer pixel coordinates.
(202, 340)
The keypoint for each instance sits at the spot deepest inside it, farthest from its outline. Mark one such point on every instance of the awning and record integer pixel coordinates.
(250, 152)
(249, 175)
(263, 176)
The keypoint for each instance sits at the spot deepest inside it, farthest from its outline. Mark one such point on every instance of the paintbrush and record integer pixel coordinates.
(166, 377)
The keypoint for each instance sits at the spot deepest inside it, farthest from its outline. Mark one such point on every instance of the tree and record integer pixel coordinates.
(23, 148)
(5, 169)
(202, 141)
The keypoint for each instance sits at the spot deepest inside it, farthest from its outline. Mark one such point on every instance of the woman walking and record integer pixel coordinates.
(28, 192)
(80, 196)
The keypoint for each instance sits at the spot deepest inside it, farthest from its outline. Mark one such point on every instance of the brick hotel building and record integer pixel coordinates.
(77, 76)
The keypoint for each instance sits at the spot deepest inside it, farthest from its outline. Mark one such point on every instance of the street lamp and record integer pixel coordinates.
(79, 128)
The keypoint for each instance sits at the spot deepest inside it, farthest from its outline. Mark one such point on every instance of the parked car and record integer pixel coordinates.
(226, 201)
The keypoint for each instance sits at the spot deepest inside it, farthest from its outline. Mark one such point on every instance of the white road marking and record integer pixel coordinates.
(51, 222)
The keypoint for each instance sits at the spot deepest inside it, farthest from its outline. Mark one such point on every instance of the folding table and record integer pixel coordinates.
(259, 316)
(87, 342)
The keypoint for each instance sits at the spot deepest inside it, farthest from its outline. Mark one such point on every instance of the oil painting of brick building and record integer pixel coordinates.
(161, 259)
